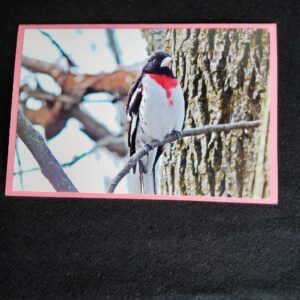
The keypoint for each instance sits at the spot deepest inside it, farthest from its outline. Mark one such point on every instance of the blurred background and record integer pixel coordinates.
(73, 88)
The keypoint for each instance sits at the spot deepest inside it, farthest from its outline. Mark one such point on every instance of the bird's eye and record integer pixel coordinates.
(154, 61)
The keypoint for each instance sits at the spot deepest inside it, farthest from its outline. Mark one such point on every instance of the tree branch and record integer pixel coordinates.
(59, 48)
(39, 66)
(20, 166)
(59, 108)
(97, 131)
(102, 143)
(46, 160)
(40, 94)
(171, 138)
(117, 82)
(113, 44)
(53, 119)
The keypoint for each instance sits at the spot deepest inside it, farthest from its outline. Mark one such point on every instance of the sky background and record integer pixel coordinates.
(90, 51)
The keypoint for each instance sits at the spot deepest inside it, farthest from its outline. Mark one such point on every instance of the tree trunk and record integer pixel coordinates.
(224, 74)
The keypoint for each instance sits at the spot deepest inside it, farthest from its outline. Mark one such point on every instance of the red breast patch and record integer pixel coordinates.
(167, 83)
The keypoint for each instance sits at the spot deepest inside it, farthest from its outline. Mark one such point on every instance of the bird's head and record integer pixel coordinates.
(159, 63)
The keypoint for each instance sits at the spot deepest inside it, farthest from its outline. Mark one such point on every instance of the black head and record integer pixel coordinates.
(159, 63)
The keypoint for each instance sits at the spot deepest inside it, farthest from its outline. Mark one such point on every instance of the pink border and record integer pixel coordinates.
(273, 117)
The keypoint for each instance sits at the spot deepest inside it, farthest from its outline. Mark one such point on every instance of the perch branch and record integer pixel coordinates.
(46, 160)
(171, 138)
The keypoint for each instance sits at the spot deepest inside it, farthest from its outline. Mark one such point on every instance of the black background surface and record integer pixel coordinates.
(95, 249)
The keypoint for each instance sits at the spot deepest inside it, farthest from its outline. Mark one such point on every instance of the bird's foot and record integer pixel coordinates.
(176, 133)
(147, 147)
(142, 167)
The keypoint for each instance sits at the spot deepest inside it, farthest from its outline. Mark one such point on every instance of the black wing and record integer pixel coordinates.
(131, 97)
(134, 99)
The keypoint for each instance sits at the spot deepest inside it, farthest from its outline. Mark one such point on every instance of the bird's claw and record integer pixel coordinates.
(176, 133)
(147, 147)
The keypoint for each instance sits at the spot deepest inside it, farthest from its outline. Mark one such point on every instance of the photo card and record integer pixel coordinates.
(184, 112)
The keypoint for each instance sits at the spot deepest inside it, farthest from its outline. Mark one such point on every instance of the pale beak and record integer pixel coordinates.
(167, 62)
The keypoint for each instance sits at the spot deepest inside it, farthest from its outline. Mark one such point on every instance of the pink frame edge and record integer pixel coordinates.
(273, 199)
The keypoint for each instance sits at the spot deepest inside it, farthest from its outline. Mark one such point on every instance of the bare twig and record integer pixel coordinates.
(97, 131)
(70, 62)
(100, 101)
(171, 138)
(113, 44)
(46, 160)
(104, 142)
(20, 166)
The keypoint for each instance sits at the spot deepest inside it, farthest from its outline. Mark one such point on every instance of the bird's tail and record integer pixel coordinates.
(141, 181)
(134, 182)
(147, 171)
(148, 183)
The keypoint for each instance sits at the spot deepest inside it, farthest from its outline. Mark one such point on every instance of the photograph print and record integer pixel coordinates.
(176, 112)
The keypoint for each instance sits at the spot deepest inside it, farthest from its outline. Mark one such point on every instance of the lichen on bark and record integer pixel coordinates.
(224, 74)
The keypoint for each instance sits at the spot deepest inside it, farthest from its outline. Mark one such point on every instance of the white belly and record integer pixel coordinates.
(159, 117)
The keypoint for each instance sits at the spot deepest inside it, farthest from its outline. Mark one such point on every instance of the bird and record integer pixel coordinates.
(155, 109)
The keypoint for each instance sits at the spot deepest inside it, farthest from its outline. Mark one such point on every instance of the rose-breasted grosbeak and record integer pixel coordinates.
(155, 109)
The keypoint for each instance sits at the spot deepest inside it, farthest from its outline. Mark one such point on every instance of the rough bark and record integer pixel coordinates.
(225, 77)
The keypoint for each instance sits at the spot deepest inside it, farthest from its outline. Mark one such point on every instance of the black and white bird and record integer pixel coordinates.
(155, 108)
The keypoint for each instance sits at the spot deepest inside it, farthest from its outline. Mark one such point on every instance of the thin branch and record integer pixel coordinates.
(171, 138)
(19, 166)
(70, 62)
(104, 142)
(97, 131)
(100, 101)
(35, 169)
(113, 44)
(46, 160)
